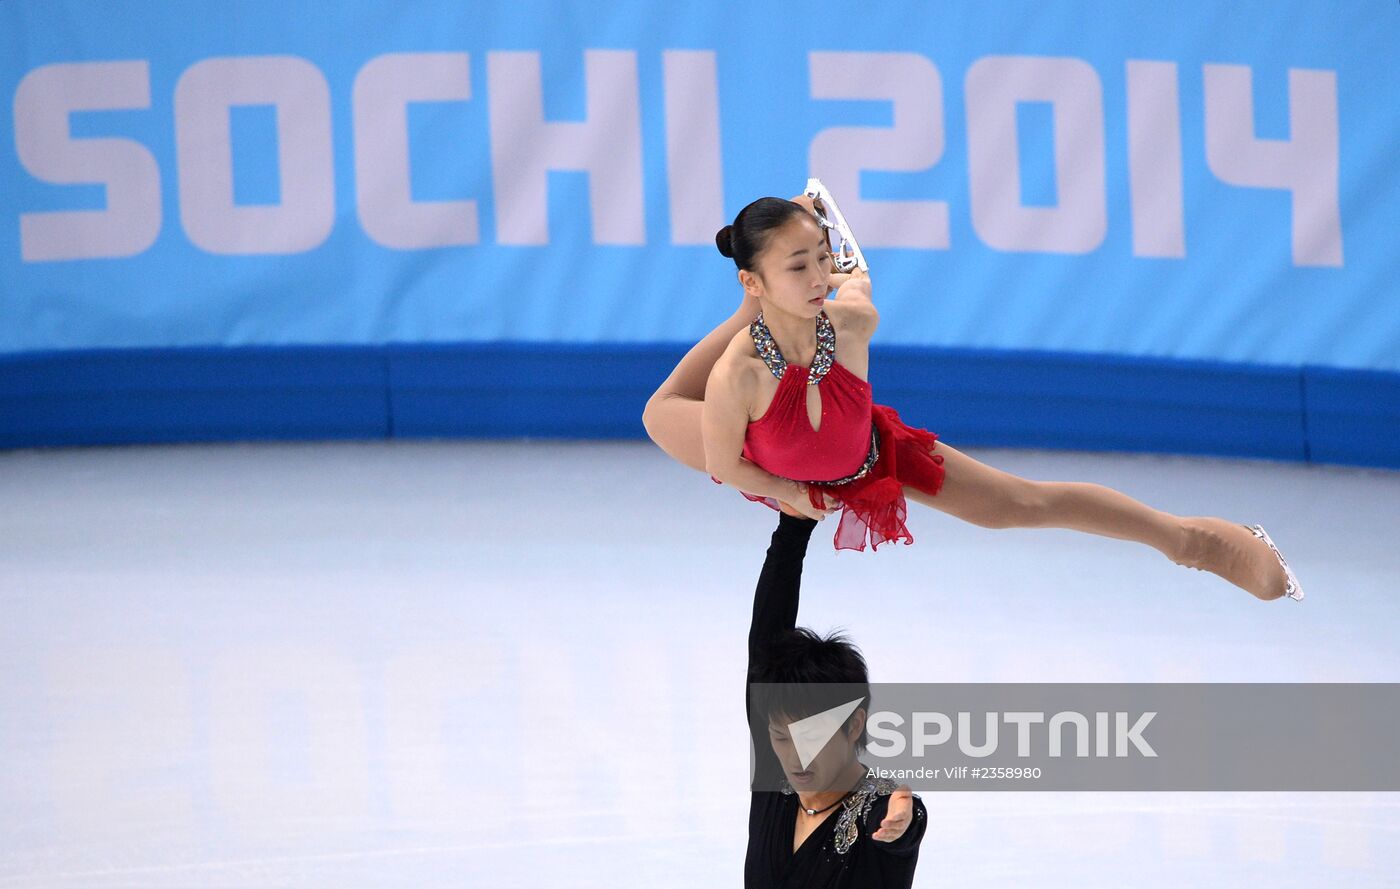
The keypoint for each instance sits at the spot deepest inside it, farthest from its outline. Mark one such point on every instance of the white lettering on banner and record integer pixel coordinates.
(1154, 159)
(838, 154)
(43, 102)
(693, 164)
(383, 180)
(607, 145)
(994, 87)
(1305, 164)
(204, 155)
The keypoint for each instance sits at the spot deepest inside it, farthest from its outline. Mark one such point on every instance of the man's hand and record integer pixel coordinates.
(855, 286)
(898, 816)
(804, 509)
(836, 280)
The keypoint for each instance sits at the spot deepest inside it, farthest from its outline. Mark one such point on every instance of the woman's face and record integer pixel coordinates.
(822, 773)
(794, 269)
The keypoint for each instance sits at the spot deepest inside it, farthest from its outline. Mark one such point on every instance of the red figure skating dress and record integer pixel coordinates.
(862, 454)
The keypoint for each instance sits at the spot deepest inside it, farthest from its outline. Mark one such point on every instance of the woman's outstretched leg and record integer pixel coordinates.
(982, 495)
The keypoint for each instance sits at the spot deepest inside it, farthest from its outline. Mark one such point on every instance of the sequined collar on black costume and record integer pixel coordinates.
(768, 350)
(856, 806)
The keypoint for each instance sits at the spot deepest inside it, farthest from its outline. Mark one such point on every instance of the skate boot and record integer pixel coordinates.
(1243, 555)
(1293, 589)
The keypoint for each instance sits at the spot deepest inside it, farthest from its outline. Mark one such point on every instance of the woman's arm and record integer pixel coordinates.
(724, 420)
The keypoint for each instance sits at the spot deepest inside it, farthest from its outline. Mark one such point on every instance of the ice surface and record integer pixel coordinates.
(521, 664)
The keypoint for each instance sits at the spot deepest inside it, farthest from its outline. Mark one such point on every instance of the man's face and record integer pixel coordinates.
(826, 769)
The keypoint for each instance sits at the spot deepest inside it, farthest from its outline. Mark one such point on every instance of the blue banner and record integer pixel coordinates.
(1192, 180)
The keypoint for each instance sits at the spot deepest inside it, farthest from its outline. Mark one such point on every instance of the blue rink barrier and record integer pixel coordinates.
(128, 396)
(502, 390)
(1352, 416)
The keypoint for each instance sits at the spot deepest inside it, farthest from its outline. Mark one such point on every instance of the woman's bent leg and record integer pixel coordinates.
(672, 414)
(673, 423)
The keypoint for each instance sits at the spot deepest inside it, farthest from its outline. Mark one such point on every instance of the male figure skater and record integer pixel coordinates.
(829, 825)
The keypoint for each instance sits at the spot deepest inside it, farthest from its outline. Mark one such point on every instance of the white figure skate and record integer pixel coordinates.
(1293, 590)
(847, 255)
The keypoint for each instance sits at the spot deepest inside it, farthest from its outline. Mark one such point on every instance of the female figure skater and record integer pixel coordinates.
(775, 402)
(829, 823)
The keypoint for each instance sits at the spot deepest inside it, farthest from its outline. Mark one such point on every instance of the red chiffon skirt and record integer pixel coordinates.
(873, 507)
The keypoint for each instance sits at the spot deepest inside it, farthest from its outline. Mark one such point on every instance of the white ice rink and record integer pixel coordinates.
(486, 664)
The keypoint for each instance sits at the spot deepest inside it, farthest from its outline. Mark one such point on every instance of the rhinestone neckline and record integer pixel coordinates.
(853, 808)
(768, 350)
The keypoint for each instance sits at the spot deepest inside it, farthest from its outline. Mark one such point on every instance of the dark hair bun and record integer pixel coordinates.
(753, 227)
(722, 241)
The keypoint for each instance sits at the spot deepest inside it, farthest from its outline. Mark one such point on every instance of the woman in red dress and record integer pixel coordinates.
(776, 403)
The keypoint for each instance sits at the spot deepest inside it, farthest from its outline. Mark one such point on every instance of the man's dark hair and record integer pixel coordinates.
(806, 674)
